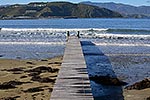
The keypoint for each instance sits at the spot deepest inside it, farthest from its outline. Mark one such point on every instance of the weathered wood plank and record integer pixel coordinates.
(72, 82)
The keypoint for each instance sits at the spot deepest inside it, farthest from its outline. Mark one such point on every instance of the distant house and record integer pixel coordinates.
(39, 5)
(16, 6)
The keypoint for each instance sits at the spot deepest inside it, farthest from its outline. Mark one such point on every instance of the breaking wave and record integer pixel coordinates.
(40, 33)
(52, 29)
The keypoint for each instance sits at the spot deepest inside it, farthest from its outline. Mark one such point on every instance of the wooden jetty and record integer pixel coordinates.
(72, 82)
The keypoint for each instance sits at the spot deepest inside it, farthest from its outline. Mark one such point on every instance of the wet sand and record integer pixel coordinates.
(28, 79)
(133, 69)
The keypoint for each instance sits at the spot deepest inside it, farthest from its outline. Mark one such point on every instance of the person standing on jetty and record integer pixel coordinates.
(78, 34)
(68, 34)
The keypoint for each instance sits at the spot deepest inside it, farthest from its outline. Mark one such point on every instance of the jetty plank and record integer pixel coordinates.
(72, 82)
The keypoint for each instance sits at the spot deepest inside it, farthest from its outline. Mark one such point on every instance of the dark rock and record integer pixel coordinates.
(40, 69)
(37, 71)
(1, 55)
(16, 73)
(139, 85)
(11, 84)
(148, 98)
(33, 73)
(31, 90)
(30, 66)
(7, 86)
(44, 60)
(31, 63)
(36, 78)
(55, 70)
(55, 63)
(107, 80)
(35, 94)
(23, 76)
(47, 80)
(54, 76)
(50, 89)
(13, 70)
(10, 98)
(42, 80)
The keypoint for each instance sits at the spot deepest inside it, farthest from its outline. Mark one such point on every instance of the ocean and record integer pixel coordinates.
(51, 33)
(78, 23)
(117, 47)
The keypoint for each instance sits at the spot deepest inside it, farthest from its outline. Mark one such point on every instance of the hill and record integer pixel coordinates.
(55, 10)
(126, 10)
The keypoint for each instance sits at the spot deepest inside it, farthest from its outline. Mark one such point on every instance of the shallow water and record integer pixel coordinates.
(30, 51)
(31, 44)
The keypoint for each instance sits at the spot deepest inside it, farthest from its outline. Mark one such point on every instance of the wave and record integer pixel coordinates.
(75, 29)
(122, 44)
(34, 43)
(87, 32)
(120, 36)
(53, 29)
(128, 30)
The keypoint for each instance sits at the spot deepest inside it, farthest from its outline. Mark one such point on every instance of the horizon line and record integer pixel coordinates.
(72, 2)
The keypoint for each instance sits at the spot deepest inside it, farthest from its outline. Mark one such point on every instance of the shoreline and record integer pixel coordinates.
(28, 79)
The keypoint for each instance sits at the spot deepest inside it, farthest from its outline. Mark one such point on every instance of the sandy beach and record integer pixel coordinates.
(28, 79)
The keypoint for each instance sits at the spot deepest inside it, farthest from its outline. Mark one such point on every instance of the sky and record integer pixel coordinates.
(131, 2)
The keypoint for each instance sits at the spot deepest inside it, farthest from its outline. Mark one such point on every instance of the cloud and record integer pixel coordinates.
(148, 1)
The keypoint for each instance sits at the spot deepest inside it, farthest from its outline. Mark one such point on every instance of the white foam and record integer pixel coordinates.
(123, 35)
(37, 43)
(52, 29)
(121, 44)
(117, 36)
(85, 32)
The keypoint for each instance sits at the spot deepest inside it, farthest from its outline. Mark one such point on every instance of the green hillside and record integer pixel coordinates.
(55, 10)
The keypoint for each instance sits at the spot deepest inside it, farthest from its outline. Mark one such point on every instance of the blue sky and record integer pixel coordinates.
(131, 2)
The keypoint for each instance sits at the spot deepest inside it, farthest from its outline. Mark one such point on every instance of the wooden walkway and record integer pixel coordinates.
(73, 81)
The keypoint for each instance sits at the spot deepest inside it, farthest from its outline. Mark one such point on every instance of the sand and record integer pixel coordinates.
(28, 79)
(137, 94)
